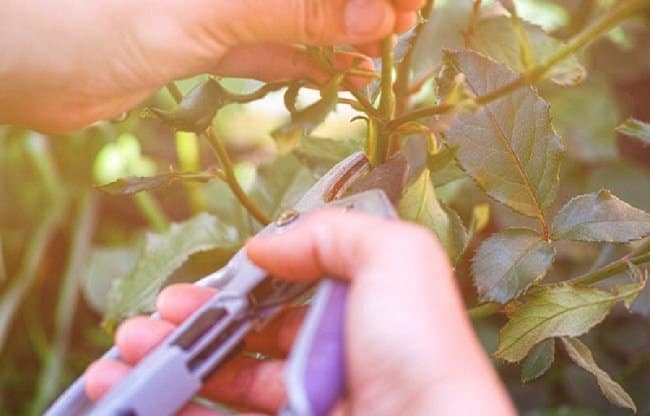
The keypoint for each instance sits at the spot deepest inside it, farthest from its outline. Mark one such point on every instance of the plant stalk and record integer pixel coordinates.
(175, 92)
(151, 211)
(484, 310)
(387, 101)
(604, 24)
(611, 269)
(228, 168)
(403, 78)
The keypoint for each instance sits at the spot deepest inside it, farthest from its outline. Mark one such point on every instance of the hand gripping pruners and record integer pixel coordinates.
(248, 298)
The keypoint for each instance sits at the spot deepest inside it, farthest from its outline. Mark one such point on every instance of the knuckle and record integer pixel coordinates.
(315, 20)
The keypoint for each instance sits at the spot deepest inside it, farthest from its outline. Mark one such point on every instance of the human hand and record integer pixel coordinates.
(410, 348)
(67, 63)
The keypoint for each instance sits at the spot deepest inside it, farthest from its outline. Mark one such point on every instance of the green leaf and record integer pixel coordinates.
(420, 204)
(279, 185)
(134, 184)
(304, 121)
(589, 133)
(496, 37)
(627, 181)
(580, 354)
(440, 31)
(538, 361)
(508, 146)
(197, 109)
(555, 311)
(442, 159)
(507, 264)
(160, 255)
(600, 216)
(321, 154)
(635, 128)
(106, 265)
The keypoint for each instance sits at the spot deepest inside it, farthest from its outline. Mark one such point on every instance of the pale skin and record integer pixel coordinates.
(410, 347)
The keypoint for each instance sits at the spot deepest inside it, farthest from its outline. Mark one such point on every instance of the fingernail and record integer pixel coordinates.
(365, 17)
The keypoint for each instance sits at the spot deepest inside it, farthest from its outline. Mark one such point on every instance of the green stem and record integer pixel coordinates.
(175, 92)
(231, 179)
(610, 270)
(3, 268)
(525, 50)
(261, 92)
(484, 310)
(51, 375)
(532, 76)
(227, 166)
(151, 211)
(187, 152)
(387, 101)
(402, 81)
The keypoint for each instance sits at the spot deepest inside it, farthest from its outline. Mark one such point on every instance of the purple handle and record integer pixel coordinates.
(315, 375)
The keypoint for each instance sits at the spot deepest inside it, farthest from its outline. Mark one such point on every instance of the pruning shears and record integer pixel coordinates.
(248, 298)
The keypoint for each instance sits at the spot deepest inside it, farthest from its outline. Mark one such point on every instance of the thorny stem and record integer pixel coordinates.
(536, 73)
(402, 88)
(226, 164)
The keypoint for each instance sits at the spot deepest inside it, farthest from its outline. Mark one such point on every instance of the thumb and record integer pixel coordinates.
(312, 22)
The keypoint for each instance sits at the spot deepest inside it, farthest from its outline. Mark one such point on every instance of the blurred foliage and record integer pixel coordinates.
(182, 202)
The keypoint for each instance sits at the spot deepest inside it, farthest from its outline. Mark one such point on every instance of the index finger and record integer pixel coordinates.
(341, 244)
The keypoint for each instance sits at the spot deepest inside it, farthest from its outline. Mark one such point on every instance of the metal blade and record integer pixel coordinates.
(389, 177)
(334, 183)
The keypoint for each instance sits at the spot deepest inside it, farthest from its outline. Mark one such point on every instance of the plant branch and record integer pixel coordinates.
(174, 91)
(484, 310)
(227, 166)
(228, 169)
(611, 269)
(387, 100)
(402, 80)
(602, 25)
(151, 211)
(259, 93)
(468, 32)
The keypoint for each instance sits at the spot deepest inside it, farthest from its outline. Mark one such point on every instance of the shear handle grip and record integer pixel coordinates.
(315, 376)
